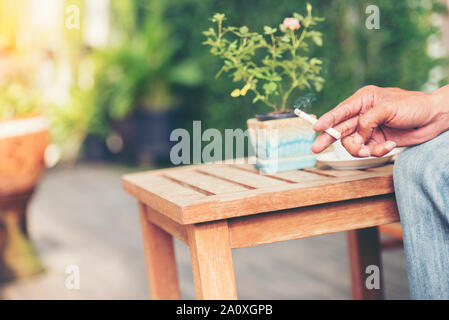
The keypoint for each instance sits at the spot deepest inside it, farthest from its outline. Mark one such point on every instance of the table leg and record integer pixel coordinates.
(210, 251)
(366, 264)
(160, 260)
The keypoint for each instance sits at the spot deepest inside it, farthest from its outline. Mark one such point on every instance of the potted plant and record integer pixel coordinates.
(273, 66)
(23, 141)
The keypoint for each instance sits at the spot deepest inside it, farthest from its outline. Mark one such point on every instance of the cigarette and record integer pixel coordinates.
(334, 133)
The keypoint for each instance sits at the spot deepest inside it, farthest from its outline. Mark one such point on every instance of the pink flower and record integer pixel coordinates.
(291, 23)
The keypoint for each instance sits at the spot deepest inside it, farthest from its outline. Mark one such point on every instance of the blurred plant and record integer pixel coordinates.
(18, 94)
(142, 71)
(17, 100)
(69, 123)
(282, 68)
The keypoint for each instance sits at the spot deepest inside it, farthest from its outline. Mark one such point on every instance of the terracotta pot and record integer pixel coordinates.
(22, 147)
(282, 144)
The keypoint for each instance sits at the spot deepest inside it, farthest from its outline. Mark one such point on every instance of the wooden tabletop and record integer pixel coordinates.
(207, 192)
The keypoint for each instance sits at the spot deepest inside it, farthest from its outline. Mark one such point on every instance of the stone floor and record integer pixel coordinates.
(80, 216)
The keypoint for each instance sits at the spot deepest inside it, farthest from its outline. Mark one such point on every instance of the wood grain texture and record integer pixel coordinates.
(203, 193)
(286, 197)
(212, 266)
(364, 251)
(312, 221)
(386, 168)
(172, 227)
(334, 173)
(165, 196)
(299, 176)
(160, 260)
(245, 177)
(206, 182)
(393, 230)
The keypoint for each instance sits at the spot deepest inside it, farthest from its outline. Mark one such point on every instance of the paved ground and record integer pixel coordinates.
(80, 216)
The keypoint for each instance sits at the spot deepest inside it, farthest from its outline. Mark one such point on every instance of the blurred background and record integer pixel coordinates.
(113, 78)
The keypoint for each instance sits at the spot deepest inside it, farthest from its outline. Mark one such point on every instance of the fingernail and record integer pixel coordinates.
(390, 145)
(358, 139)
(364, 152)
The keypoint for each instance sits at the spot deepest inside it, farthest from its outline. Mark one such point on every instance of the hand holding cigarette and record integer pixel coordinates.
(375, 120)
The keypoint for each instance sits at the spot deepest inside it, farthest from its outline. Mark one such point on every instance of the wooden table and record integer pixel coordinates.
(215, 208)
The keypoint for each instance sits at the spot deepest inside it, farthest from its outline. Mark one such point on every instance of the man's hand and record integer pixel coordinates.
(375, 120)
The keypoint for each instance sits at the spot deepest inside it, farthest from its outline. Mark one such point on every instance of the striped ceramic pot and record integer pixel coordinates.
(282, 144)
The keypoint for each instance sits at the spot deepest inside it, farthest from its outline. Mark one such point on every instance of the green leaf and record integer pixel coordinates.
(269, 87)
(315, 61)
(209, 32)
(258, 74)
(269, 30)
(218, 17)
(257, 98)
(318, 40)
(298, 16)
(318, 86)
(243, 30)
(309, 8)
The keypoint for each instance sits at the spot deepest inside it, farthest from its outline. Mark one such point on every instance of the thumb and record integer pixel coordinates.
(370, 120)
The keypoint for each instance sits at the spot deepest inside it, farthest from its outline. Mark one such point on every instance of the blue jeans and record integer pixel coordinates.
(421, 182)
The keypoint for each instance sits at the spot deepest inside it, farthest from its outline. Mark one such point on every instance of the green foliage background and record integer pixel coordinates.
(353, 56)
(395, 55)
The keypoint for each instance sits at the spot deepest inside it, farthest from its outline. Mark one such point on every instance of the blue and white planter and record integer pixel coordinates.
(282, 144)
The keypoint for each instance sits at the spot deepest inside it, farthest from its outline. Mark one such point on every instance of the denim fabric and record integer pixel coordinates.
(421, 182)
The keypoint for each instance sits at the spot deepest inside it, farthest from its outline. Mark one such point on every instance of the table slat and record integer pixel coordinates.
(334, 173)
(249, 178)
(245, 166)
(207, 183)
(200, 193)
(288, 196)
(159, 185)
(312, 221)
(300, 176)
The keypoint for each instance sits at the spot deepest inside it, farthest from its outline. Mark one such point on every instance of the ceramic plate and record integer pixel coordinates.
(347, 162)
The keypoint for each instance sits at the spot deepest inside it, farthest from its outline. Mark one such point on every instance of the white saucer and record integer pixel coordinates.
(348, 162)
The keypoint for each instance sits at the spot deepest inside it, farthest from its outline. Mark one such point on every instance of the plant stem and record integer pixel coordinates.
(270, 104)
(265, 99)
(273, 65)
(301, 38)
(287, 94)
(295, 45)
(273, 53)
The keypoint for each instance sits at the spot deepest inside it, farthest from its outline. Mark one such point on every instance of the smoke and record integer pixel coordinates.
(304, 103)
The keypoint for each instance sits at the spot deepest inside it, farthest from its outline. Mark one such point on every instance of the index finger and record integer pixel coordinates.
(324, 139)
(343, 111)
